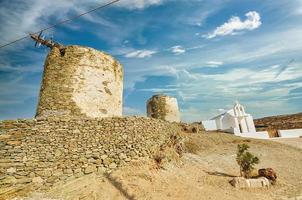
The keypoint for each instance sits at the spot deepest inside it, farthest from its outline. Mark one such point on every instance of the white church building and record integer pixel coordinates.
(235, 121)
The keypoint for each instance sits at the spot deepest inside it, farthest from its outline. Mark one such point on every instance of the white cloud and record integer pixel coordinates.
(140, 54)
(177, 50)
(234, 25)
(214, 63)
(139, 4)
(18, 18)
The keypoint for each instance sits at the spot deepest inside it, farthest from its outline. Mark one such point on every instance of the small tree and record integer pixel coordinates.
(245, 160)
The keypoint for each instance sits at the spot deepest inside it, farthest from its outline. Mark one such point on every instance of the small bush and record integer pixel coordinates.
(159, 157)
(245, 160)
(171, 150)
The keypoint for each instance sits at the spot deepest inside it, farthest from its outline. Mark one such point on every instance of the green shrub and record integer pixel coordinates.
(245, 160)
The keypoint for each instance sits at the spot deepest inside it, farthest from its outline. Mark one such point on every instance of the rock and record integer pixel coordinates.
(37, 180)
(78, 170)
(23, 180)
(57, 173)
(5, 160)
(240, 182)
(90, 169)
(31, 175)
(112, 166)
(101, 169)
(268, 173)
(77, 175)
(14, 143)
(106, 161)
(258, 183)
(68, 171)
(95, 156)
(11, 170)
(4, 136)
(8, 180)
(44, 173)
(122, 156)
(99, 162)
(51, 179)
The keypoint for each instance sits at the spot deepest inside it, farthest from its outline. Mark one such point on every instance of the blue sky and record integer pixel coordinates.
(206, 53)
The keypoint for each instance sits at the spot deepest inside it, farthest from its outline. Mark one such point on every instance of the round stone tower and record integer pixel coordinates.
(163, 107)
(81, 82)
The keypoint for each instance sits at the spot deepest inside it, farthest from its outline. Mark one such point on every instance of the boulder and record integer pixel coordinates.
(240, 182)
(259, 182)
(268, 173)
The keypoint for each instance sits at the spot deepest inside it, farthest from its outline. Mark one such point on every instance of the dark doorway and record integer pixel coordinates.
(240, 128)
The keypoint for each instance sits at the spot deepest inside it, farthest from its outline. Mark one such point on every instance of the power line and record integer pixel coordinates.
(62, 22)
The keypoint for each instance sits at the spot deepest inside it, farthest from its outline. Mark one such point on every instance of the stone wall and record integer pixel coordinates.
(81, 82)
(54, 149)
(163, 107)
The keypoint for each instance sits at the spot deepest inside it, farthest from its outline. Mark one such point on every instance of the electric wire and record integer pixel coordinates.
(62, 22)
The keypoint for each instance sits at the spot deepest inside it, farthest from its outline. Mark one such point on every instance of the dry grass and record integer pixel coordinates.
(192, 146)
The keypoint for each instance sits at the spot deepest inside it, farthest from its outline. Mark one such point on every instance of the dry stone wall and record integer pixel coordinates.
(81, 82)
(53, 149)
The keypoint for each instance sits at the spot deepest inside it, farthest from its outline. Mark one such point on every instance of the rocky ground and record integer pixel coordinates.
(203, 172)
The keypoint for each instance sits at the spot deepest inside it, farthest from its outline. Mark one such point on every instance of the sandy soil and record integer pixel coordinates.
(294, 142)
(204, 175)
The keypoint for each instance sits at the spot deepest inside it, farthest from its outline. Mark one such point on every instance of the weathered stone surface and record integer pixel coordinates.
(268, 173)
(14, 143)
(23, 180)
(37, 180)
(90, 169)
(240, 182)
(82, 82)
(8, 180)
(163, 107)
(258, 183)
(11, 170)
(112, 166)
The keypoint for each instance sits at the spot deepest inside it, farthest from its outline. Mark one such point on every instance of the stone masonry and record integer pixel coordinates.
(163, 107)
(81, 82)
(54, 149)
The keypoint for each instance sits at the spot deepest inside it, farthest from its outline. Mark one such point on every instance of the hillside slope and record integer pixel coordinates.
(279, 122)
(201, 175)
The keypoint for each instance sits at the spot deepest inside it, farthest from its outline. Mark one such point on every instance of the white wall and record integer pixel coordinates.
(256, 135)
(209, 125)
(250, 123)
(228, 122)
(292, 133)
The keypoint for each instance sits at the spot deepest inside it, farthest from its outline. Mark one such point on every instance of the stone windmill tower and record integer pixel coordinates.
(79, 82)
(163, 107)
